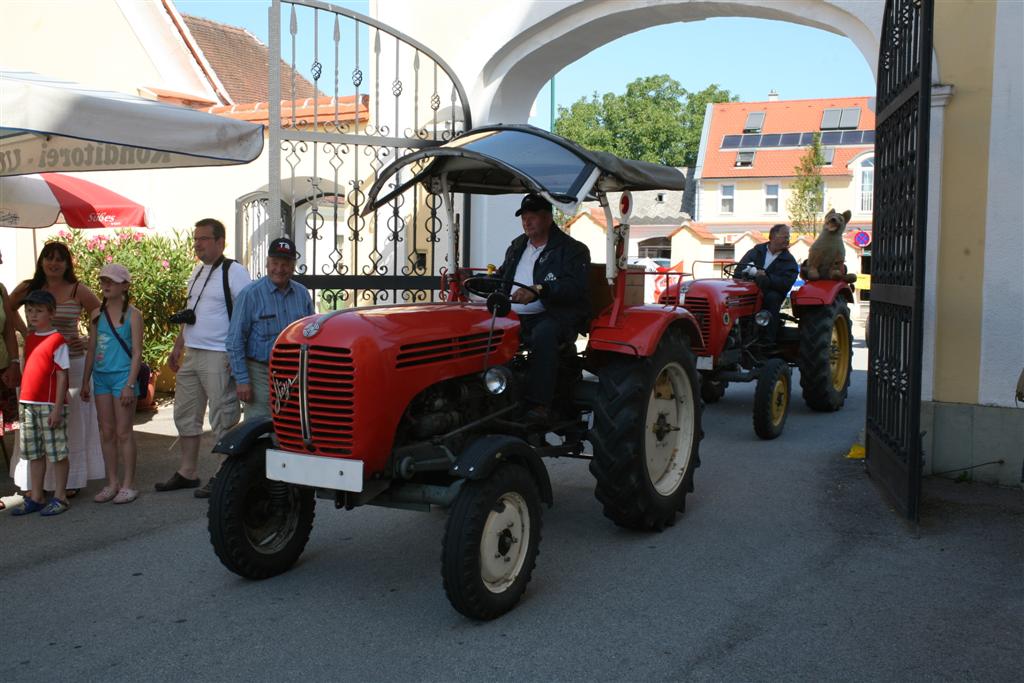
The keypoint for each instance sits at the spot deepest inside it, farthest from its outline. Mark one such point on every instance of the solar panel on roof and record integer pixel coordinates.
(830, 119)
(831, 137)
(770, 140)
(852, 137)
(731, 141)
(806, 139)
(750, 141)
(868, 137)
(849, 118)
(790, 140)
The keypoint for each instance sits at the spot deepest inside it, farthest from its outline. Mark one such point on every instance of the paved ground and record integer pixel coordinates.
(787, 565)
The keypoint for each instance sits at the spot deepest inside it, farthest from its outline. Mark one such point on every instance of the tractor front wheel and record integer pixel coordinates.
(491, 542)
(258, 527)
(771, 398)
(646, 435)
(826, 356)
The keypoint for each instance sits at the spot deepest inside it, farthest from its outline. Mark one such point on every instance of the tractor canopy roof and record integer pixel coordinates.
(511, 159)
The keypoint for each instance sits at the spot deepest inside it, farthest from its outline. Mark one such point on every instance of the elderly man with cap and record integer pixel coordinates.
(556, 306)
(262, 311)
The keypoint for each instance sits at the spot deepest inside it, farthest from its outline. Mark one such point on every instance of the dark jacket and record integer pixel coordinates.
(562, 269)
(781, 274)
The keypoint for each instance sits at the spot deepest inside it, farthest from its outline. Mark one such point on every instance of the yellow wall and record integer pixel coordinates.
(841, 193)
(965, 188)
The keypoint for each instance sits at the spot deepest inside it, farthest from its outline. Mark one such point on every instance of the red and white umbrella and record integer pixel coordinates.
(40, 200)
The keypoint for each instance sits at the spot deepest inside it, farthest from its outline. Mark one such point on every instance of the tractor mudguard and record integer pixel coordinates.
(820, 293)
(242, 436)
(479, 459)
(639, 329)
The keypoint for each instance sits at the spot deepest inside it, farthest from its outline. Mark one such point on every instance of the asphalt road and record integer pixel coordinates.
(786, 565)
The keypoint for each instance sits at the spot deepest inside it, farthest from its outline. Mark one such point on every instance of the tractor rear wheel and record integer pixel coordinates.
(826, 356)
(258, 527)
(771, 398)
(646, 435)
(491, 542)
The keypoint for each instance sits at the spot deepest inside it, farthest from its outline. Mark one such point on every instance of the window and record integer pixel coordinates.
(828, 154)
(771, 198)
(840, 119)
(725, 252)
(660, 198)
(728, 192)
(755, 120)
(744, 159)
(867, 184)
(655, 248)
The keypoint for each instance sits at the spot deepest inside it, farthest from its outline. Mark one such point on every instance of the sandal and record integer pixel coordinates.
(125, 496)
(107, 493)
(71, 493)
(56, 506)
(28, 508)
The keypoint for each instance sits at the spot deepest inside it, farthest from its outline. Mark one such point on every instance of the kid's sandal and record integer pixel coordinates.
(56, 506)
(28, 508)
(125, 496)
(107, 493)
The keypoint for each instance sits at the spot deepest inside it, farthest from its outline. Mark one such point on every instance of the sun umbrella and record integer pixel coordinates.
(38, 201)
(50, 125)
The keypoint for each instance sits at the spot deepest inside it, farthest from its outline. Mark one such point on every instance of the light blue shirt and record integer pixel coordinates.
(261, 312)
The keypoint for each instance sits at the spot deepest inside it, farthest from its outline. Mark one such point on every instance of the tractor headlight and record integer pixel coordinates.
(497, 380)
(762, 318)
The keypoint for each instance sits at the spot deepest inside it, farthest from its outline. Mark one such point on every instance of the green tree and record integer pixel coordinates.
(808, 191)
(656, 120)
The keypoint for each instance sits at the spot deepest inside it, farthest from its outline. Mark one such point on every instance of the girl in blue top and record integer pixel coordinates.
(113, 362)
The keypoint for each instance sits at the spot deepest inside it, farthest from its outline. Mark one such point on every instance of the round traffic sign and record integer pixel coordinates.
(862, 238)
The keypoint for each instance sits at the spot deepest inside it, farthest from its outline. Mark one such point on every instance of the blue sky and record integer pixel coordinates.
(748, 57)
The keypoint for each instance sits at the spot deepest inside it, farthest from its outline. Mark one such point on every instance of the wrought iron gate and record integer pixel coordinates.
(898, 251)
(375, 94)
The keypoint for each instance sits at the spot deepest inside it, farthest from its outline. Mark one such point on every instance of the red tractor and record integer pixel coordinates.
(733, 345)
(416, 406)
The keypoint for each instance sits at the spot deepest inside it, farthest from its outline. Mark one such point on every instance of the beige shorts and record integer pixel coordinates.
(204, 378)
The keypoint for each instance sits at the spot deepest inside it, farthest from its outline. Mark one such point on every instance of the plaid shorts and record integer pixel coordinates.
(36, 438)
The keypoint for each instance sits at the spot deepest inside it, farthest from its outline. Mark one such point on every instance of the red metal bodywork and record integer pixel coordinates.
(636, 330)
(382, 357)
(717, 305)
(819, 293)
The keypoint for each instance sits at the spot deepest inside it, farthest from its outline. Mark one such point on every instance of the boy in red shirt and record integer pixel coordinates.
(42, 405)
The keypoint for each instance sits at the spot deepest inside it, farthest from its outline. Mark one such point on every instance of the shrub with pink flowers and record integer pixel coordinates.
(160, 266)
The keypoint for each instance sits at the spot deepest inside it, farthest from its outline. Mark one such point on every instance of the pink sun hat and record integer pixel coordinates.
(116, 272)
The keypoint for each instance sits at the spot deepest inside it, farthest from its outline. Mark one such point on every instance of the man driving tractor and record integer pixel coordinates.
(556, 307)
(774, 270)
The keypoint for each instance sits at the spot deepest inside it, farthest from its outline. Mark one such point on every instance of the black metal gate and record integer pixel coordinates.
(351, 96)
(898, 251)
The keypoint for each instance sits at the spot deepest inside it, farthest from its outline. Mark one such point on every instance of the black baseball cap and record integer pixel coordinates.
(38, 296)
(533, 202)
(283, 247)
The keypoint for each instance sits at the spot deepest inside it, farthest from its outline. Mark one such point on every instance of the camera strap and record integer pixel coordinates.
(205, 282)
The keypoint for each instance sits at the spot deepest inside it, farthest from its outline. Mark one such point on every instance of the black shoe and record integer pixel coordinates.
(176, 482)
(204, 491)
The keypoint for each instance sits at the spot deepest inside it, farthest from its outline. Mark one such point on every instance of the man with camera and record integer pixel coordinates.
(204, 375)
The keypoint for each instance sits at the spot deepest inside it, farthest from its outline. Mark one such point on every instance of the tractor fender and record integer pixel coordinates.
(242, 437)
(820, 293)
(639, 329)
(479, 459)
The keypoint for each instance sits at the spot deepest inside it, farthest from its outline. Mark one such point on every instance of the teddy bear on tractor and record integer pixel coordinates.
(743, 340)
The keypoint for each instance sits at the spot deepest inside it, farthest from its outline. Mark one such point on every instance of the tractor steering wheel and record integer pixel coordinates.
(485, 285)
(729, 270)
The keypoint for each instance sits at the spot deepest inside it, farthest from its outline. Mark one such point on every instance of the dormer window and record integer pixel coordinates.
(744, 159)
(755, 120)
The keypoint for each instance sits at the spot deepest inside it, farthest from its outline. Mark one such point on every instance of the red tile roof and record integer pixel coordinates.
(241, 62)
(699, 230)
(782, 116)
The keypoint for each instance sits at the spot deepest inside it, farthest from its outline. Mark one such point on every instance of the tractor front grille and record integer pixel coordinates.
(698, 306)
(313, 398)
(440, 350)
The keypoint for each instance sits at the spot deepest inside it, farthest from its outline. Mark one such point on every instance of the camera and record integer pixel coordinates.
(185, 316)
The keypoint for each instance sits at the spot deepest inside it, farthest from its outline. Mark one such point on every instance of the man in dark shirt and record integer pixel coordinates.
(774, 269)
(555, 266)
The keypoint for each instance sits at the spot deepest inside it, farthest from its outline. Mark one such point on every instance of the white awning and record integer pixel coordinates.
(52, 125)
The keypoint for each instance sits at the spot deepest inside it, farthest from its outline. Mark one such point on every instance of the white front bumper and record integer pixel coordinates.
(320, 472)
